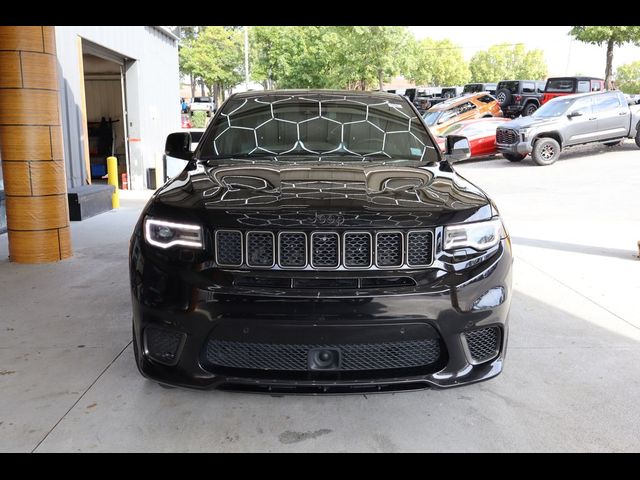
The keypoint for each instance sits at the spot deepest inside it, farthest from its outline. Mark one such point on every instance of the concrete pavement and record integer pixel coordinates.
(68, 381)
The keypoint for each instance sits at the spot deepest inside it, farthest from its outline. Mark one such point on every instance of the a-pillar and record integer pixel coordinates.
(31, 146)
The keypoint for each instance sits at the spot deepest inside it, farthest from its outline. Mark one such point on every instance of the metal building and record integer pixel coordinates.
(70, 97)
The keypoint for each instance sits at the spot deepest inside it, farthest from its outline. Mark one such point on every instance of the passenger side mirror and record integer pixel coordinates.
(178, 145)
(575, 113)
(457, 148)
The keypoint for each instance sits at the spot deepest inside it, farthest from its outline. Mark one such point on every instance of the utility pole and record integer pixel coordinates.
(246, 58)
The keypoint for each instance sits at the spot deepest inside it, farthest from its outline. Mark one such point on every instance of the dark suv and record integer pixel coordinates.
(479, 87)
(319, 241)
(519, 97)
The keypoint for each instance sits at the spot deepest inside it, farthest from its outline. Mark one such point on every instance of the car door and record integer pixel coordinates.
(582, 126)
(612, 116)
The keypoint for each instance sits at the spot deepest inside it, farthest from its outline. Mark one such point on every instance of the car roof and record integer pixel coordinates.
(580, 95)
(452, 102)
(576, 78)
(301, 92)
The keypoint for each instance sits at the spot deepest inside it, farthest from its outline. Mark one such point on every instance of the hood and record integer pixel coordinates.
(315, 189)
(526, 122)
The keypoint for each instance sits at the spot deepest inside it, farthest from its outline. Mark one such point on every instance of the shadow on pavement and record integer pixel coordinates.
(577, 248)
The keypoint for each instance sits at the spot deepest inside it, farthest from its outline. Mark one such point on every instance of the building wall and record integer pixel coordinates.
(152, 93)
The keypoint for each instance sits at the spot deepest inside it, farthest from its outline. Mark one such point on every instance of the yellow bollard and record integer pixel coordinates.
(112, 174)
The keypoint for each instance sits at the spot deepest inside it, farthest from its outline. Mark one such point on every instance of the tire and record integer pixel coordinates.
(504, 97)
(529, 108)
(514, 157)
(638, 137)
(546, 151)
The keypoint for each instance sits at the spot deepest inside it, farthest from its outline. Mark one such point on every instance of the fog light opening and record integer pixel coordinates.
(324, 359)
(489, 299)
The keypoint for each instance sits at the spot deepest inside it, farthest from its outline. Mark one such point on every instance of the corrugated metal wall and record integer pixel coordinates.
(155, 79)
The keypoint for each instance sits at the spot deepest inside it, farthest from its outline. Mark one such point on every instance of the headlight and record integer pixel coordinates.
(478, 235)
(160, 233)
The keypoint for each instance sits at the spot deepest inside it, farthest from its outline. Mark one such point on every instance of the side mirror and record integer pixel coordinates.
(457, 148)
(178, 145)
(575, 113)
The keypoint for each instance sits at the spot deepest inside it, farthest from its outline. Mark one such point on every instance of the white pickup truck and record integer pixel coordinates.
(202, 104)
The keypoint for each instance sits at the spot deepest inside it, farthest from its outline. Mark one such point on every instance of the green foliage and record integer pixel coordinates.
(214, 55)
(437, 62)
(327, 56)
(505, 62)
(628, 77)
(599, 35)
(199, 119)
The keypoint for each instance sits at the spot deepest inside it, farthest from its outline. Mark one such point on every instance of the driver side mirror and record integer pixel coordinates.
(178, 145)
(457, 148)
(575, 113)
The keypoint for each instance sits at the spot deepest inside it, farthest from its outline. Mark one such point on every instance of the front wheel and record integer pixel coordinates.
(514, 157)
(545, 151)
(638, 137)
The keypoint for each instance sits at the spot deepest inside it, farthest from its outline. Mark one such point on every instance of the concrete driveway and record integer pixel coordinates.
(572, 380)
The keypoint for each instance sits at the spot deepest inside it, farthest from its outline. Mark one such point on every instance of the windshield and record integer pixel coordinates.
(202, 99)
(555, 108)
(307, 125)
(431, 118)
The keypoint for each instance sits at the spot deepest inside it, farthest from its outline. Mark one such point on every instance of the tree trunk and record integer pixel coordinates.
(202, 94)
(193, 85)
(380, 79)
(607, 72)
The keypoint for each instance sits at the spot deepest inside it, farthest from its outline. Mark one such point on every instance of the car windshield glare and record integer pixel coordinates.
(431, 118)
(555, 108)
(356, 127)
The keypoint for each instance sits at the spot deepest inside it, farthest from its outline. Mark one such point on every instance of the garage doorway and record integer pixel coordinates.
(105, 104)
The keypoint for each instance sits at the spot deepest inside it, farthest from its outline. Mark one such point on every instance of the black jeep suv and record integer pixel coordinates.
(520, 97)
(318, 241)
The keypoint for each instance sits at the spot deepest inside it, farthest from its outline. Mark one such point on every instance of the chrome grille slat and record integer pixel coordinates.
(325, 250)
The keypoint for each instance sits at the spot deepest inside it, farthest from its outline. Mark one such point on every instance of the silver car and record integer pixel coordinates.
(598, 117)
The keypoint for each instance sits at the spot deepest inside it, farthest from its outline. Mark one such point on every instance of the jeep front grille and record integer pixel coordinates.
(506, 136)
(351, 250)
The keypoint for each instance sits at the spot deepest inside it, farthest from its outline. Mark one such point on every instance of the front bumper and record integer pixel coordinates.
(523, 148)
(196, 314)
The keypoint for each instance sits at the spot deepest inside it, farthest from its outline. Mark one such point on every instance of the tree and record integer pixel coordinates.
(504, 62)
(612, 36)
(438, 62)
(215, 57)
(628, 77)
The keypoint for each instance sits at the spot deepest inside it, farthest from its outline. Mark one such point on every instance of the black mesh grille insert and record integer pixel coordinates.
(506, 136)
(162, 345)
(389, 249)
(419, 248)
(260, 249)
(294, 357)
(357, 249)
(293, 249)
(228, 247)
(483, 344)
(324, 250)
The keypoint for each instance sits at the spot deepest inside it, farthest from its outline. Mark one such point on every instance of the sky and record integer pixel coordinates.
(564, 55)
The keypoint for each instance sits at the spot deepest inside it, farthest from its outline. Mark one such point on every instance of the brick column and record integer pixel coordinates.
(31, 146)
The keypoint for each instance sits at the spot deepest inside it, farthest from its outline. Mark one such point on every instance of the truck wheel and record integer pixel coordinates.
(529, 109)
(504, 97)
(514, 157)
(545, 151)
(638, 138)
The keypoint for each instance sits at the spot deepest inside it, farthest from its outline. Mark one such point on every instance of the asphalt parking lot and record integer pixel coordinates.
(68, 381)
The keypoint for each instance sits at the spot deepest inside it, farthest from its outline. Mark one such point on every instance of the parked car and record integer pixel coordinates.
(319, 242)
(480, 87)
(480, 132)
(454, 110)
(451, 92)
(560, 86)
(519, 97)
(603, 117)
(202, 104)
(173, 166)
